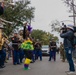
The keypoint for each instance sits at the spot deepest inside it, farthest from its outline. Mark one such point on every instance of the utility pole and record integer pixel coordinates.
(73, 12)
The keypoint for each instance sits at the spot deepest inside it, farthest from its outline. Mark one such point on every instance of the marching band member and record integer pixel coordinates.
(2, 52)
(15, 41)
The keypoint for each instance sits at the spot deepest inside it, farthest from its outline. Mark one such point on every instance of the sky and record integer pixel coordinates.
(47, 11)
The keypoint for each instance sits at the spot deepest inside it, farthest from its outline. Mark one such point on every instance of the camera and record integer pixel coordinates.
(64, 28)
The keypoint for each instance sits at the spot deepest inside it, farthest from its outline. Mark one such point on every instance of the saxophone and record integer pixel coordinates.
(1, 39)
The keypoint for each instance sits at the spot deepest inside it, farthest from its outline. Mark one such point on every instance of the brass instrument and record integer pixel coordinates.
(0, 35)
(1, 39)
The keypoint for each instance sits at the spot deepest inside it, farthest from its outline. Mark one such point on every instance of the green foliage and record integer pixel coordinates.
(43, 36)
(17, 15)
(37, 34)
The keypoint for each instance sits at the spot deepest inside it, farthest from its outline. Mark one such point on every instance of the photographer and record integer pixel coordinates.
(68, 35)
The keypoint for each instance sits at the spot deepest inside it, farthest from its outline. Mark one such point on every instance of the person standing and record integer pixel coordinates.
(68, 35)
(52, 50)
(2, 40)
(62, 52)
(15, 41)
(38, 52)
(2, 53)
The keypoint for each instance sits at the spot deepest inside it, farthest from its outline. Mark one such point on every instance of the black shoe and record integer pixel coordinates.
(21, 62)
(14, 64)
(18, 63)
(2, 66)
(32, 62)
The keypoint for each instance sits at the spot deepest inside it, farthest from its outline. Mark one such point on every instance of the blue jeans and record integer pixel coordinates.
(33, 56)
(38, 53)
(69, 58)
(2, 57)
(52, 55)
(15, 57)
(21, 55)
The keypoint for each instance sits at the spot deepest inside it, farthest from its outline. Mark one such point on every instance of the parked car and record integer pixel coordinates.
(45, 50)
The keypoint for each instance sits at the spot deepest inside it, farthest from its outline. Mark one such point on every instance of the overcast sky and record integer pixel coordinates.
(47, 11)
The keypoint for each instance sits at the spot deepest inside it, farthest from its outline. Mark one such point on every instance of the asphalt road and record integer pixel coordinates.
(43, 67)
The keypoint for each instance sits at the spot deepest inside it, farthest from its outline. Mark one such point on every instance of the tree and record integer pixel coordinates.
(38, 34)
(17, 14)
(70, 4)
(43, 36)
(55, 26)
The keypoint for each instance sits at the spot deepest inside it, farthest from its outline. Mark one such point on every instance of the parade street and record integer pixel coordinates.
(43, 67)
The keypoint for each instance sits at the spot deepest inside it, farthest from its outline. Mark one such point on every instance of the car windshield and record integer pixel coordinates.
(45, 46)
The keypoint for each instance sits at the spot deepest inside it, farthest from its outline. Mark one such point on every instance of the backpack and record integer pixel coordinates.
(74, 40)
